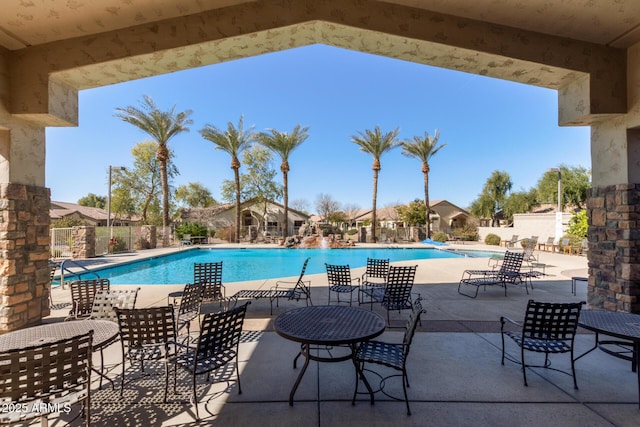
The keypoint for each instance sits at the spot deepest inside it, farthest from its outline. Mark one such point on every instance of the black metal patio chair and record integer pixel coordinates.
(340, 281)
(547, 328)
(147, 334)
(83, 293)
(216, 347)
(397, 292)
(373, 282)
(388, 354)
(50, 375)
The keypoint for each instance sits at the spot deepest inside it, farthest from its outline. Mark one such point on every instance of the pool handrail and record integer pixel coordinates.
(84, 269)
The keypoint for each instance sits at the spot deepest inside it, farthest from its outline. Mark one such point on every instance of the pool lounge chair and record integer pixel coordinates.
(509, 273)
(301, 289)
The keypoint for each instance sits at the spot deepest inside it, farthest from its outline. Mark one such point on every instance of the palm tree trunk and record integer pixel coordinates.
(374, 219)
(426, 202)
(236, 175)
(285, 181)
(165, 201)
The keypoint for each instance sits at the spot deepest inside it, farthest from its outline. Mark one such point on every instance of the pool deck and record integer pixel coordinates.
(454, 367)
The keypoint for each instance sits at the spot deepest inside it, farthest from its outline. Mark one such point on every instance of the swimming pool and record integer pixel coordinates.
(258, 264)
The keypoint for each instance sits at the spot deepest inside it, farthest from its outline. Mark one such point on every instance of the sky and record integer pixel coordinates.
(488, 124)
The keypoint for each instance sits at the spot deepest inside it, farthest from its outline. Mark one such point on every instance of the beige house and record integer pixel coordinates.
(259, 220)
(90, 216)
(445, 216)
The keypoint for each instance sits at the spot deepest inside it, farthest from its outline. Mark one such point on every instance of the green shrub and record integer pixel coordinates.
(191, 228)
(492, 239)
(440, 236)
(578, 225)
(352, 231)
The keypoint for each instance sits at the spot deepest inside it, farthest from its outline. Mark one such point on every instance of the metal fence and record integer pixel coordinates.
(61, 243)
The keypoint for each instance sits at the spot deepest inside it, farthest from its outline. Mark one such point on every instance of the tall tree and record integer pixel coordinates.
(326, 206)
(232, 141)
(93, 201)
(162, 126)
(195, 195)
(283, 143)
(258, 183)
(576, 181)
(493, 196)
(424, 148)
(376, 143)
(138, 189)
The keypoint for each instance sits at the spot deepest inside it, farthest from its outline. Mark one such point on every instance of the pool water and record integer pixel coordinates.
(258, 264)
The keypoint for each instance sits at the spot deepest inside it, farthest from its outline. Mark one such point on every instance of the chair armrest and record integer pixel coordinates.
(356, 279)
(504, 320)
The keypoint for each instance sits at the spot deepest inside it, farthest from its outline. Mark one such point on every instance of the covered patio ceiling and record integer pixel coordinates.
(611, 23)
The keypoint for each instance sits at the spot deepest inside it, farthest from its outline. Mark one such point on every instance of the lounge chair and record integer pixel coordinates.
(186, 240)
(301, 289)
(548, 246)
(511, 241)
(509, 273)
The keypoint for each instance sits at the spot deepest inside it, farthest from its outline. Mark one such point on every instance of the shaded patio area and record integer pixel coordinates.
(454, 368)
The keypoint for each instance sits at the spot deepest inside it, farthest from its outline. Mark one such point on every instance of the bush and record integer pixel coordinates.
(191, 228)
(468, 232)
(578, 225)
(351, 231)
(440, 236)
(228, 233)
(492, 239)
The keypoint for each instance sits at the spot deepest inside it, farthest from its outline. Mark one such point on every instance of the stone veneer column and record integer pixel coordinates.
(614, 243)
(24, 255)
(84, 242)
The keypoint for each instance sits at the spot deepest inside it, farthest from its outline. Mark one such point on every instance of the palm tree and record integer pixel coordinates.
(283, 144)
(233, 141)
(423, 148)
(376, 143)
(161, 126)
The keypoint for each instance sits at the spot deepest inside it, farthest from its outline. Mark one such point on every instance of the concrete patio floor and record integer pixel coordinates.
(454, 366)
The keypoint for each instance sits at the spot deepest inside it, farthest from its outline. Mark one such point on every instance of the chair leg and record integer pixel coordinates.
(404, 388)
(195, 398)
(524, 367)
(238, 375)
(573, 370)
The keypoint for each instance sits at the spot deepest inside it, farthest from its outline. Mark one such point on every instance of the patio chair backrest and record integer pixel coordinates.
(399, 285)
(83, 292)
(57, 371)
(412, 323)
(141, 326)
(220, 335)
(511, 263)
(338, 275)
(210, 275)
(551, 321)
(376, 268)
(300, 286)
(191, 299)
(106, 300)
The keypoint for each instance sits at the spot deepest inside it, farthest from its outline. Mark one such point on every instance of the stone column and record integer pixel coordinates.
(614, 206)
(84, 242)
(24, 244)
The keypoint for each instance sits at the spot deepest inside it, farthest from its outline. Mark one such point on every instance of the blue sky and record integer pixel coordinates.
(488, 124)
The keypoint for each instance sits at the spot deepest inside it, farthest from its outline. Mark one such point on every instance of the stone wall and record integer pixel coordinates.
(614, 240)
(24, 255)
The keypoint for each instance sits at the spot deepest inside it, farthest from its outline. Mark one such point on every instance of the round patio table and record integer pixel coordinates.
(328, 325)
(105, 332)
(625, 326)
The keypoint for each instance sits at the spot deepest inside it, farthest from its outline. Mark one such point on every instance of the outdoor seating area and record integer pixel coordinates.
(441, 376)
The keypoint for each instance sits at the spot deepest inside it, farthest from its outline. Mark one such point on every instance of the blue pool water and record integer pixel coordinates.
(258, 264)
